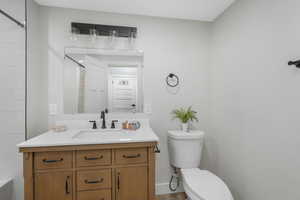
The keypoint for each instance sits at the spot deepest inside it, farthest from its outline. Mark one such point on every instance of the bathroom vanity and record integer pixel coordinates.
(90, 165)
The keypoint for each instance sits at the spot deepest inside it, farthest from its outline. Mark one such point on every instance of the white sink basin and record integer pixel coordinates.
(106, 134)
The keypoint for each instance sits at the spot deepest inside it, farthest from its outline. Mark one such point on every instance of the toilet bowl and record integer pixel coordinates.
(185, 151)
(204, 185)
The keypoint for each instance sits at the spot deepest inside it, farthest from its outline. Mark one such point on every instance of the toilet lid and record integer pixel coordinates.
(205, 185)
(181, 135)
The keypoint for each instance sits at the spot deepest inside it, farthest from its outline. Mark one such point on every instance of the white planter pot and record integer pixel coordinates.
(185, 127)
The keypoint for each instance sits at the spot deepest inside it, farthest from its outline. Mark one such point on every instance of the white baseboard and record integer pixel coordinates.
(163, 188)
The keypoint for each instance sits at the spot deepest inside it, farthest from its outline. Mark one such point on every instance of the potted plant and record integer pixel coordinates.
(185, 116)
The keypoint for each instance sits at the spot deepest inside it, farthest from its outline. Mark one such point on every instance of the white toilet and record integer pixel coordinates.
(185, 153)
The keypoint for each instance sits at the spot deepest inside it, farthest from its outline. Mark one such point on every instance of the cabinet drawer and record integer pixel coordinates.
(94, 195)
(93, 179)
(53, 160)
(131, 156)
(93, 158)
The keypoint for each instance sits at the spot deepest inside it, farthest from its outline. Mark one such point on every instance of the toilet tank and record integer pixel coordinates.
(185, 149)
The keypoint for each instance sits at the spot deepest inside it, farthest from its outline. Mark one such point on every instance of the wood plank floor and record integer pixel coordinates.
(175, 196)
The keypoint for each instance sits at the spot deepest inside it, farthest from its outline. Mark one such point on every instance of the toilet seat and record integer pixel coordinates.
(204, 185)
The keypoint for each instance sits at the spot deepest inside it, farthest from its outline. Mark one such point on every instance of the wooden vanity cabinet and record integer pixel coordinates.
(90, 172)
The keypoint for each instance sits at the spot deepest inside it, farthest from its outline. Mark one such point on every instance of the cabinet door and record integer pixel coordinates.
(132, 183)
(54, 186)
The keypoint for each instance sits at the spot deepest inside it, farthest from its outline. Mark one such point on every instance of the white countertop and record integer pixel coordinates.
(70, 137)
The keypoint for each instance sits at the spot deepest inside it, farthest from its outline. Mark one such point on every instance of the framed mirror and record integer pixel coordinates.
(96, 79)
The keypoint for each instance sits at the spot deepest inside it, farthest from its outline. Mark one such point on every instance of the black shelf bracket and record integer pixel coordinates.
(296, 63)
(12, 19)
(75, 61)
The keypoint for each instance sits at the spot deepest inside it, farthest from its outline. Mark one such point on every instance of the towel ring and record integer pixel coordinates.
(172, 80)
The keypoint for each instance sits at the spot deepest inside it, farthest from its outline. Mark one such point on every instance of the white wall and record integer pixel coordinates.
(176, 46)
(12, 93)
(254, 135)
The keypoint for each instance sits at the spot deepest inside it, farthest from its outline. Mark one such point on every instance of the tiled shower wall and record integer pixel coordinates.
(12, 93)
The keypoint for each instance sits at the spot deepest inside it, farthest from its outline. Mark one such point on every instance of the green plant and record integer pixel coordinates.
(185, 115)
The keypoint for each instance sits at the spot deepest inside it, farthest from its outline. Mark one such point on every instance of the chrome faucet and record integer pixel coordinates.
(103, 118)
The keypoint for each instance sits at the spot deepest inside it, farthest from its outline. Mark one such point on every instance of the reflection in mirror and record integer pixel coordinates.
(94, 82)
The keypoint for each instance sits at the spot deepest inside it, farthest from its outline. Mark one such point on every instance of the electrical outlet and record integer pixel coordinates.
(148, 108)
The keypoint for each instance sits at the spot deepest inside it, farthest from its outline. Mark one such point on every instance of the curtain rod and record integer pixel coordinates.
(12, 19)
(75, 61)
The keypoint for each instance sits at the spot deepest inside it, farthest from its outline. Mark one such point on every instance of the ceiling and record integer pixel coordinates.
(203, 10)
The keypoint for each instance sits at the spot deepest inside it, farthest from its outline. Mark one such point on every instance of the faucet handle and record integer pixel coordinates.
(94, 124)
(113, 125)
